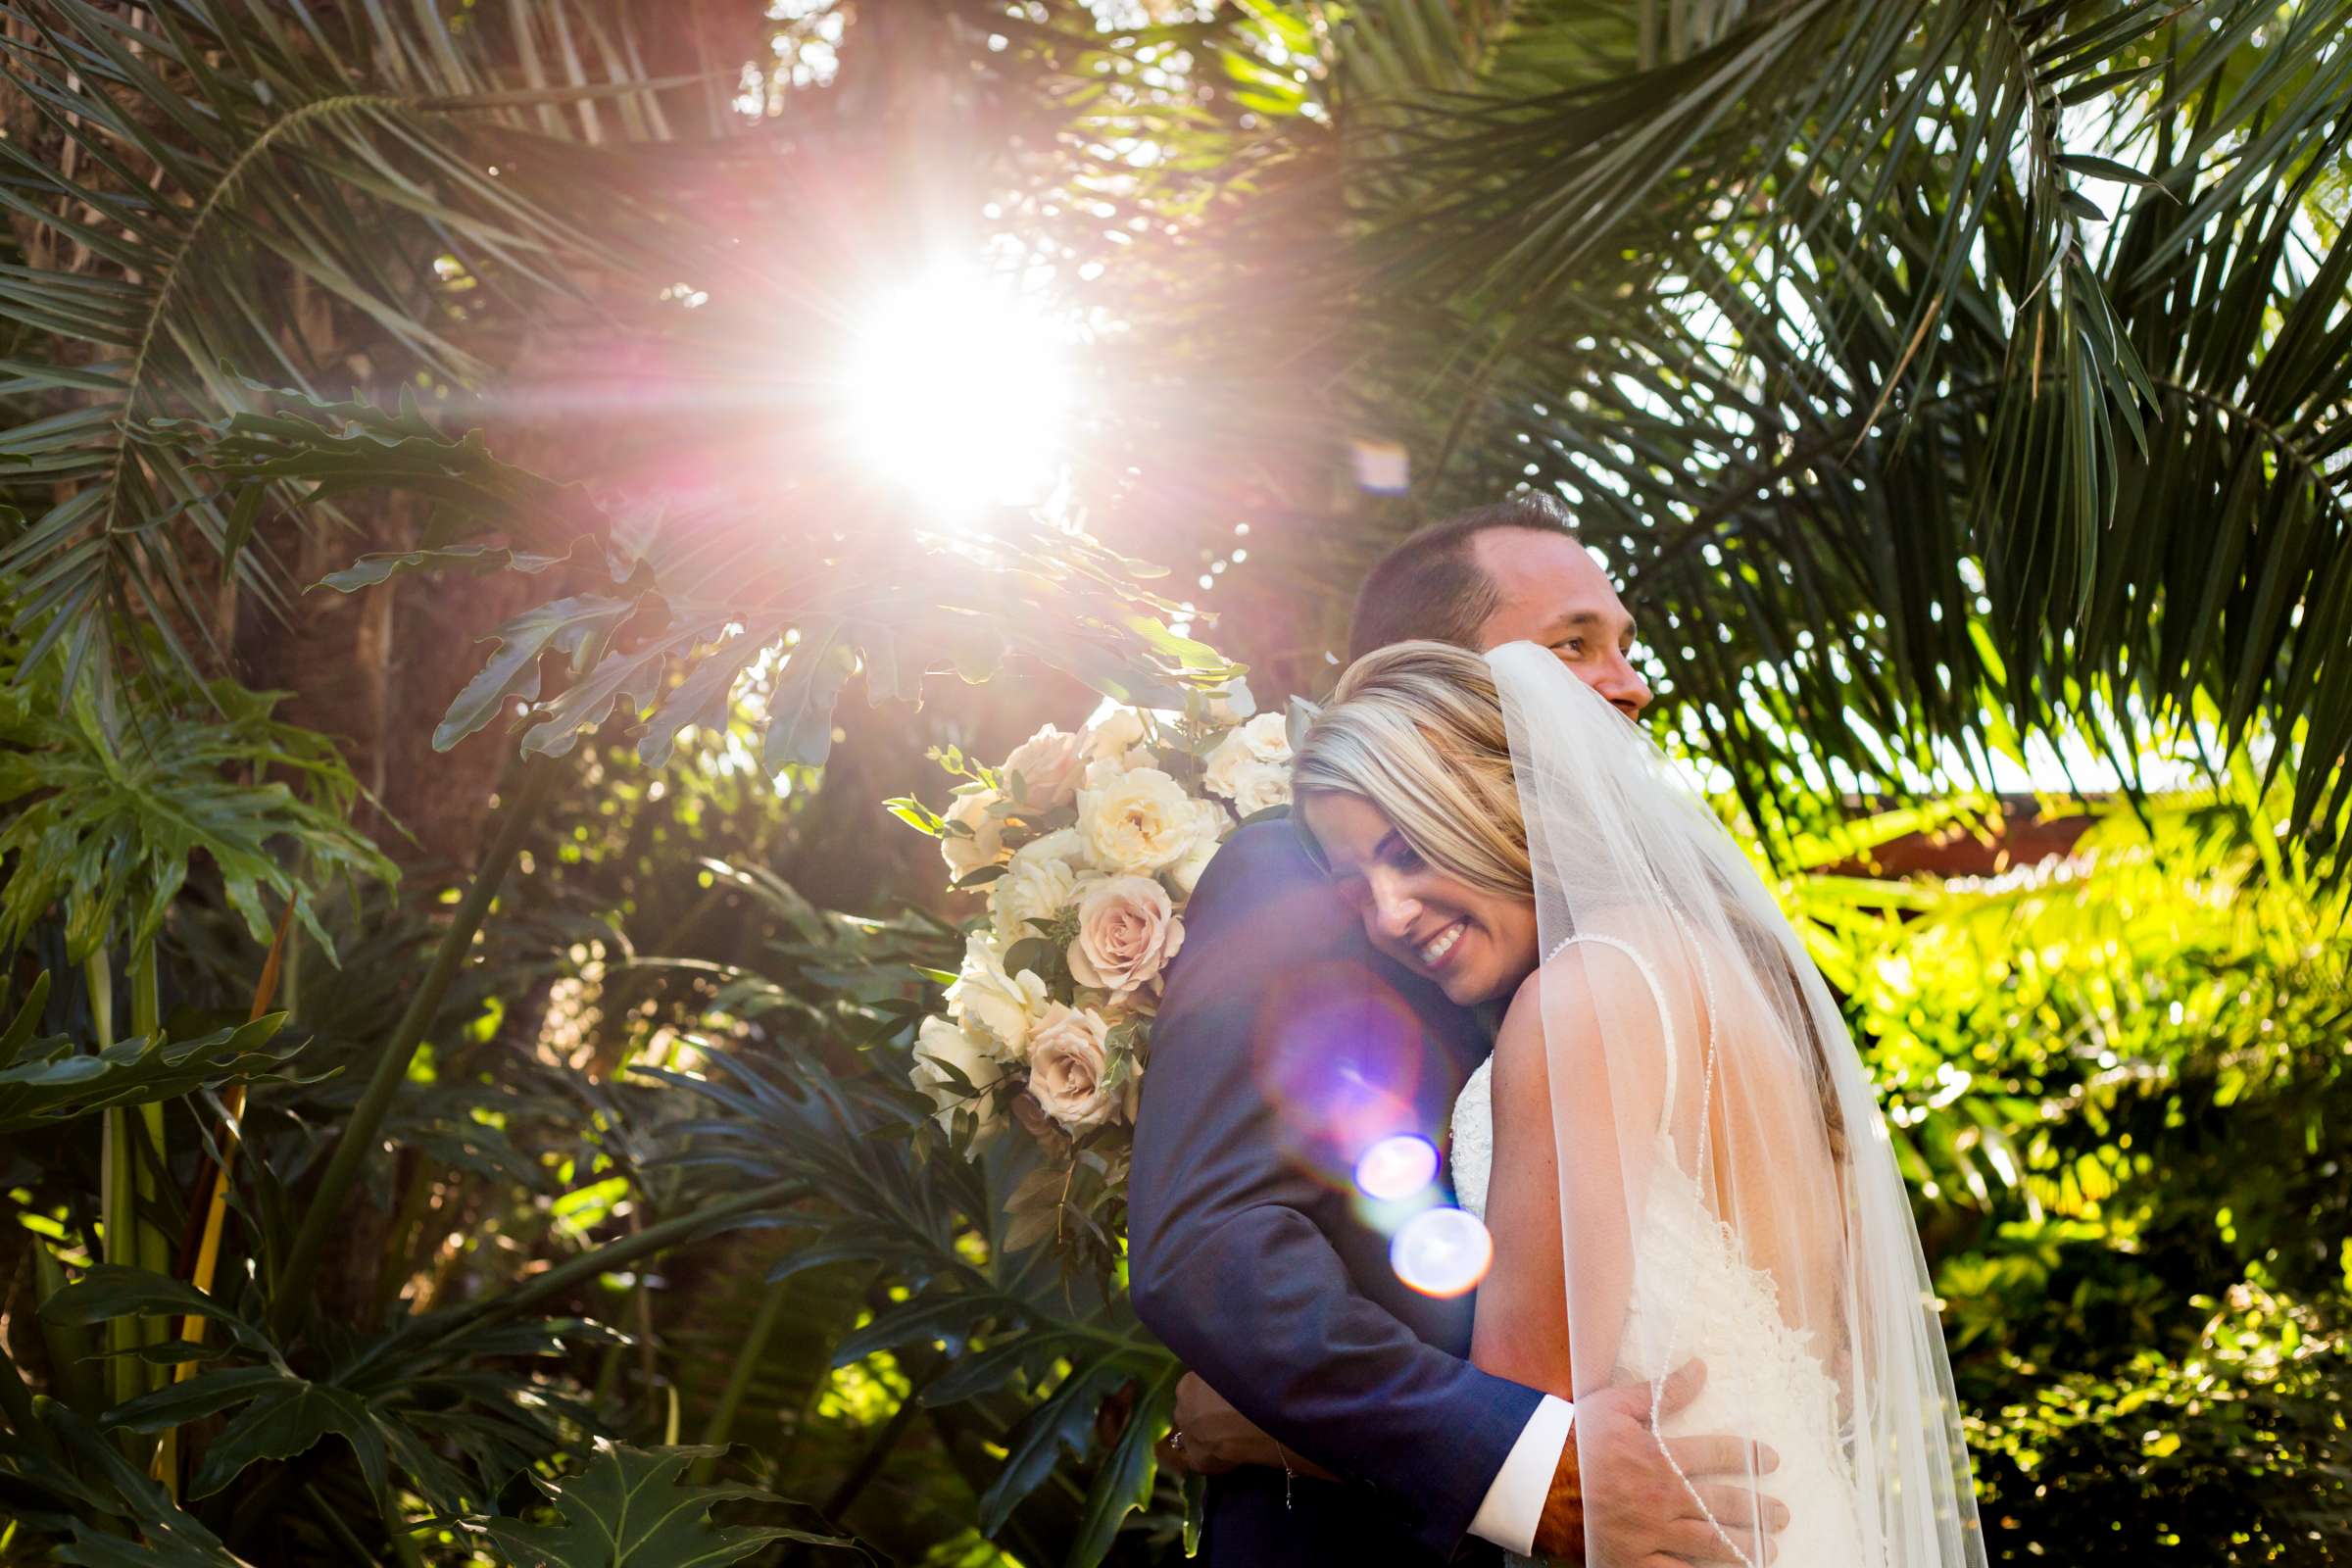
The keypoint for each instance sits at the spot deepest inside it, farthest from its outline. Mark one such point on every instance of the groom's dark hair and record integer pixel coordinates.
(1432, 586)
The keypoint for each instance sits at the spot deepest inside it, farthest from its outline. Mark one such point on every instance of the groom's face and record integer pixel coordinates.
(1553, 594)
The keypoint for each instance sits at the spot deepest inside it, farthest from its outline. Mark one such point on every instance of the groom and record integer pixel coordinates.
(1285, 1046)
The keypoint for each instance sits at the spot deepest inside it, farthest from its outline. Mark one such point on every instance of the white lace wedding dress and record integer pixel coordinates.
(1763, 1380)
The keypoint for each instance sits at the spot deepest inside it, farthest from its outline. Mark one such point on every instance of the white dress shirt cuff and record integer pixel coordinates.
(1514, 1505)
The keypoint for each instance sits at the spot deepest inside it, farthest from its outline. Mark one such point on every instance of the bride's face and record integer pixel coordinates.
(1476, 945)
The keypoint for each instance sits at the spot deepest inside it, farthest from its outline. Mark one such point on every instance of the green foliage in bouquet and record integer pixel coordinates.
(1086, 846)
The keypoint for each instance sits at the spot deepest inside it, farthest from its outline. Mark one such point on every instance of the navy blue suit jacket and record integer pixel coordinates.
(1284, 1044)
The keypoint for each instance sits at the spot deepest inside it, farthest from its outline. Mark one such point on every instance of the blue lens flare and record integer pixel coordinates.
(1397, 1167)
(1442, 1253)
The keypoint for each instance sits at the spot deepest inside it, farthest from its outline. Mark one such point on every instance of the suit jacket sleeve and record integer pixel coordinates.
(1227, 1262)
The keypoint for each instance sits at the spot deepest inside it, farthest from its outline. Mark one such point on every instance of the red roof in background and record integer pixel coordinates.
(2022, 836)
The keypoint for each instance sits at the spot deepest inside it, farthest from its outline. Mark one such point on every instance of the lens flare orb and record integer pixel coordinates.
(1397, 1167)
(1341, 1063)
(1442, 1253)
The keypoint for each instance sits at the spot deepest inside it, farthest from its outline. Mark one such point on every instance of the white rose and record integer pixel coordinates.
(1063, 844)
(1109, 769)
(984, 845)
(1269, 737)
(1261, 786)
(1232, 704)
(940, 1047)
(1050, 764)
(1001, 1008)
(1209, 830)
(1139, 823)
(1240, 762)
(1120, 732)
(1067, 1062)
(1035, 888)
(1127, 932)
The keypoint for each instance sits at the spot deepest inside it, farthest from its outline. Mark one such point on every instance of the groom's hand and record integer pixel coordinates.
(1211, 1437)
(1625, 1499)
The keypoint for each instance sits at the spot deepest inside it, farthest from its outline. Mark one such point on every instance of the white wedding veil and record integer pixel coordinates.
(1727, 1188)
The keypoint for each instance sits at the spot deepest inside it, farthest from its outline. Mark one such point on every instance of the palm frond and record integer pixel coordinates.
(192, 165)
(1932, 372)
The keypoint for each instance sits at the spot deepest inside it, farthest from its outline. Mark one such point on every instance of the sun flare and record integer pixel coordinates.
(960, 390)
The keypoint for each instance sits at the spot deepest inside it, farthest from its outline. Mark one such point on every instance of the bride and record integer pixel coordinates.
(1673, 1147)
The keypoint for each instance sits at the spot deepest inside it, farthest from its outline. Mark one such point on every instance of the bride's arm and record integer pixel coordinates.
(1542, 1210)
(1563, 1255)
(1521, 1331)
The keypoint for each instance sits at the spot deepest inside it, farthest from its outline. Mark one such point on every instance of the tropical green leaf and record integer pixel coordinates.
(83, 1471)
(800, 725)
(109, 814)
(210, 158)
(286, 1417)
(107, 1291)
(53, 1080)
(1063, 1424)
(1123, 1484)
(560, 626)
(628, 1510)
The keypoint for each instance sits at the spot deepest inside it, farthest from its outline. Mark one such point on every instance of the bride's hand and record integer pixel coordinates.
(1211, 1437)
(1622, 1496)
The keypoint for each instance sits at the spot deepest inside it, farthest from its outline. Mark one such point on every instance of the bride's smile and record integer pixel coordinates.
(1474, 943)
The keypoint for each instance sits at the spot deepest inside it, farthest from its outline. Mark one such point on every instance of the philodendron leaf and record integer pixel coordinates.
(706, 697)
(476, 560)
(514, 670)
(1064, 1423)
(89, 1472)
(107, 1290)
(291, 1417)
(1123, 1484)
(209, 1393)
(52, 1080)
(90, 1550)
(628, 680)
(799, 726)
(18, 1033)
(627, 1510)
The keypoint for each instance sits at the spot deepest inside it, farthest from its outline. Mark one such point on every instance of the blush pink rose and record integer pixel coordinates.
(1127, 932)
(1068, 1056)
(1050, 765)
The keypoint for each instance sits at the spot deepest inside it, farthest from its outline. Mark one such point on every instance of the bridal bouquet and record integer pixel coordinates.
(1085, 847)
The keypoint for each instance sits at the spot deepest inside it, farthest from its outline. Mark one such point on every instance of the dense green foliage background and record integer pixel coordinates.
(1944, 379)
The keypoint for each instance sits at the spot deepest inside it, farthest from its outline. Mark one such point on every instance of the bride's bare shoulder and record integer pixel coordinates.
(1631, 970)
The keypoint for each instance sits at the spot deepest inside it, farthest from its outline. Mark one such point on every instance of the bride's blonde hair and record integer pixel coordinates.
(1417, 729)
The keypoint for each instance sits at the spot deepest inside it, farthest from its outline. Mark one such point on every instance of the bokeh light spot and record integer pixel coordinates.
(1397, 1167)
(1441, 1251)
